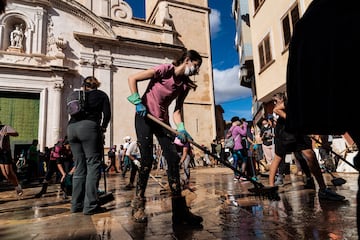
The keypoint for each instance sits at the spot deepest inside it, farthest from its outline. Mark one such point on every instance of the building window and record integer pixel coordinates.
(258, 4)
(288, 23)
(265, 55)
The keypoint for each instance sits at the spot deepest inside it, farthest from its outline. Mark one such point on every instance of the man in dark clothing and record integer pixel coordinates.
(85, 135)
(112, 157)
(57, 152)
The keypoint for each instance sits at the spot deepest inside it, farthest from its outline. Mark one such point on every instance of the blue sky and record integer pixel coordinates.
(234, 99)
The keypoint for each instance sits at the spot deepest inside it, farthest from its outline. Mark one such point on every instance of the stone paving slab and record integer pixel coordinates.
(229, 210)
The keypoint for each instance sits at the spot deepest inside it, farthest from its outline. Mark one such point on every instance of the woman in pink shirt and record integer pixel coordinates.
(238, 130)
(168, 82)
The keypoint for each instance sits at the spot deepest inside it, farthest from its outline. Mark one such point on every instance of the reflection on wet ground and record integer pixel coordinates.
(229, 210)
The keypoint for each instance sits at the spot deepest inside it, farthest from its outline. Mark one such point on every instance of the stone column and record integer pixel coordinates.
(56, 110)
(103, 72)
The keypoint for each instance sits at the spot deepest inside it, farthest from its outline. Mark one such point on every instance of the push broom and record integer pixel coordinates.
(338, 155)
(335, 180)
(259, 189)
(105, 197)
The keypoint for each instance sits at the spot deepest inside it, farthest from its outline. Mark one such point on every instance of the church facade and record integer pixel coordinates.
(48, 46)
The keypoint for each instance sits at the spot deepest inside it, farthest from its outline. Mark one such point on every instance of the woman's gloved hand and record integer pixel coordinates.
(141, 109)
(183, 135)
(136, 100)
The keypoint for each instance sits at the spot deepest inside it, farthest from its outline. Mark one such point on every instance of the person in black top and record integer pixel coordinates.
(286, 142)
(56, 153)
(85, 135)
(112, 156)
(267, 137)
(6, 160)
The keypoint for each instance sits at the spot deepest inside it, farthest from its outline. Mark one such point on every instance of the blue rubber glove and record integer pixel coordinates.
(183, 135)
(141, 109)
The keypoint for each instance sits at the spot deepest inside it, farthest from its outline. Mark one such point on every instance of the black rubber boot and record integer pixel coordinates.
(309, 183)
(182, 214)
(43, 190)
(138, 210)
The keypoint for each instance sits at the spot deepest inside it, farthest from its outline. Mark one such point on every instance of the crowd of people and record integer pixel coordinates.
(31, 165)
(78, 159)
(170, 82)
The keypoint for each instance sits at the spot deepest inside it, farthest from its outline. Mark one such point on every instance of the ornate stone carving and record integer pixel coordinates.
(51, 46)
(164, 15)
(120, 10)
(61, 44)
(103, 61)
(58, 85)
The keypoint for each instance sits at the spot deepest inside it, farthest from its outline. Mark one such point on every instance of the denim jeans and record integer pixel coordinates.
(238, 159)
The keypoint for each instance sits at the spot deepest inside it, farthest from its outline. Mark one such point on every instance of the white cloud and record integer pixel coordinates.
(227, 85)
(215, 22)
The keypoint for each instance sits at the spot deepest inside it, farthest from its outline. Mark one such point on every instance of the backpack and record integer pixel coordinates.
(75, 103)
(229, 141)
(57, 151)
(111, 154)
(66, 185)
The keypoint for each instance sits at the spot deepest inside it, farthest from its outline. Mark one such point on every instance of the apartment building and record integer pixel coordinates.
(267, 26)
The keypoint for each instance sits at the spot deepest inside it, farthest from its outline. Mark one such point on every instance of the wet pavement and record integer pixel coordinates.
(229, 210)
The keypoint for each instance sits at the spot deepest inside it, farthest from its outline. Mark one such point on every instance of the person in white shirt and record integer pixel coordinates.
(133, 155)
(121, 154)
(125, 160)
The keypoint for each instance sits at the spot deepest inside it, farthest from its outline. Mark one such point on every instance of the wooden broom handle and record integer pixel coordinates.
(205, 150)
(162, 124)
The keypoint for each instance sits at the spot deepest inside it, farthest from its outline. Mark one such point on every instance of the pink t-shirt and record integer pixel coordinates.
(237, 132)
(162, 90)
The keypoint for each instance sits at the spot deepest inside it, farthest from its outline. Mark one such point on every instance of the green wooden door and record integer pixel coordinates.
(21, 111)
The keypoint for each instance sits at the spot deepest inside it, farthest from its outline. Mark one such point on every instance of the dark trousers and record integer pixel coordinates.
(85, 140)
(51, 169)
(127, 165)
(32, 171)
(145, 129)
(112, 164)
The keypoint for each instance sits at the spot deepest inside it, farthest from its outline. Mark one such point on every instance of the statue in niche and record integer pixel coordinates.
(16, 37)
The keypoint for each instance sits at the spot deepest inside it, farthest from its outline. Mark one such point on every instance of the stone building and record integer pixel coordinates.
(48, 46)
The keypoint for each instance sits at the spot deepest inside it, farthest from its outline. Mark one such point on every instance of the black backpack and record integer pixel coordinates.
(111, 154)
(75, 103)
